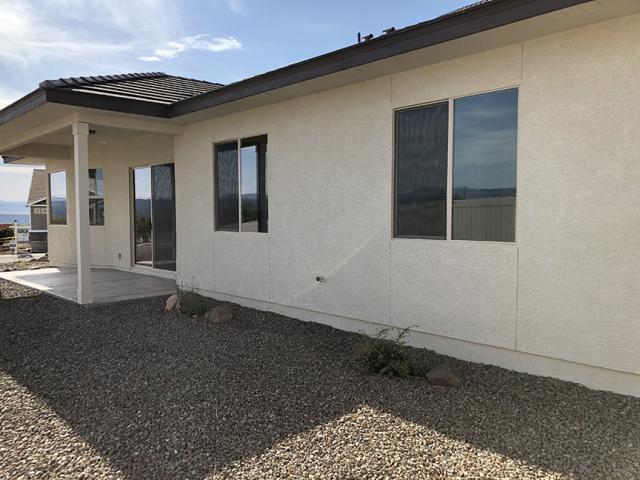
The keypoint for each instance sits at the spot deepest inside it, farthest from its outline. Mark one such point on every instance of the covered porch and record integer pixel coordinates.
(95, 233)
(107, 285)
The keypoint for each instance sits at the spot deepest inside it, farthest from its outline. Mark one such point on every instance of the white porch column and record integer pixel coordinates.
(81, 183)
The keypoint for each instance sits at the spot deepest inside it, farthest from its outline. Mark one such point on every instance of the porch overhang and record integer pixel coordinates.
(40, 133)
(65, 140)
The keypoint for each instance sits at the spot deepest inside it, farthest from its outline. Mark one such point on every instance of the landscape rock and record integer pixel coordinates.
(171, 303)
(441, 376)
(219, 314)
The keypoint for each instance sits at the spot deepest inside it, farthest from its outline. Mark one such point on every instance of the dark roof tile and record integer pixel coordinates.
(154, 87)
(39, 187)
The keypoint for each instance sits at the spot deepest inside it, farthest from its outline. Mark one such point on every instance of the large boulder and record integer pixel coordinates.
(219, 314)
(442, 377)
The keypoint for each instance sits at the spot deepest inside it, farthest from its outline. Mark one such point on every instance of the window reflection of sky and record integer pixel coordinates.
(58, 185)
(142, 181)
(485, 145)
(249, 158)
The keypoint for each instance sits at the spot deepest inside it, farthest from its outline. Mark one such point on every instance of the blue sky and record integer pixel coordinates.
(215, 40)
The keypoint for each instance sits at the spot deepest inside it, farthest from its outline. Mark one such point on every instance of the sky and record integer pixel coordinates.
(217, 40)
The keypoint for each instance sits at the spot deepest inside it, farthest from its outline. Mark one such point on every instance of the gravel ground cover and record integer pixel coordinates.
(34, 263)
(127, 391)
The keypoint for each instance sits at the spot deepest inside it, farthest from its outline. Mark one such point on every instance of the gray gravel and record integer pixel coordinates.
(129, 392)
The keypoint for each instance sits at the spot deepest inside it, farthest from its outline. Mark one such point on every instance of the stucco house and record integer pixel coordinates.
(475, 176)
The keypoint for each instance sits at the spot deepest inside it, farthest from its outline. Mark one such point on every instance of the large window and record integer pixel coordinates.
(241, 185)
(58, 198)
(482, 186)
(484, 167)
(421, 171)
(96, 196)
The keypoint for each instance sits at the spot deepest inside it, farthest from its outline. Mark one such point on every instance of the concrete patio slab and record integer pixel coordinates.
(108, 285)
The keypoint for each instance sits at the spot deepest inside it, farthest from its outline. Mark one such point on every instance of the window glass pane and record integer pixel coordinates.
(253, 158)
(96, 182)
(142, 215)
(164, 217)
(227, 210)
(96, 211)
(421, 171)
(484, 167)
(249, 185)
(58, 194)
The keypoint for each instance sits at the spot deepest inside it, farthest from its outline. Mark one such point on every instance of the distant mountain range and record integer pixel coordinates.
(13, 207)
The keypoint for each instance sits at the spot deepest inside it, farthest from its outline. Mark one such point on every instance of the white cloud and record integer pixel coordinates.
(90, 37)
(28, 37)
(14, 182)
(95, 33)
(8, 95)
(196, 42)
(236, 6)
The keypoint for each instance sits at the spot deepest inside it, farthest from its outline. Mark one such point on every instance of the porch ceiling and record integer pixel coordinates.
(49, 125)
(59, 144)
(103, 134)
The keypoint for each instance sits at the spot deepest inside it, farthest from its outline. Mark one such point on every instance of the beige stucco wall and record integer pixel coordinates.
(62, 238)
(562, 299)
(566, 290)
(579, 197)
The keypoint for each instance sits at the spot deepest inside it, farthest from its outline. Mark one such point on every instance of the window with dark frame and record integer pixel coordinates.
(483, 163)
(484, 167)
(96, 196)
(58, 198)
(241, 185)
(421, 144)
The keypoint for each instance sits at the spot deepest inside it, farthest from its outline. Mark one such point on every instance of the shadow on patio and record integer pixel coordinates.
(159, 396)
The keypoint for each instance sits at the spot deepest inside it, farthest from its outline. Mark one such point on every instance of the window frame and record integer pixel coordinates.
(50, 203)
(261, 173)
(97, 197)
(450, 141)
(395, 169)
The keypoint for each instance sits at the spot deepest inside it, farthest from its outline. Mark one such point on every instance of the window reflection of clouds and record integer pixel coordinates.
(58, 194)
(58, 185)
(143, 183)
(484, 166)
(249, 157)
(485, 141)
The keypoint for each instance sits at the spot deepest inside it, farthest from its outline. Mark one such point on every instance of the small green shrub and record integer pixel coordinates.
(191, 303)
(384, 354)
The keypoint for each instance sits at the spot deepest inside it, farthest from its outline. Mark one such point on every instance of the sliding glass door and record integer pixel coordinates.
(154, 213)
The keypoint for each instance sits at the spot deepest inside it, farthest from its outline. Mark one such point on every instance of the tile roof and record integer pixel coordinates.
(465, 9)
(155, 87)
(39, 187)
(157, 94)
